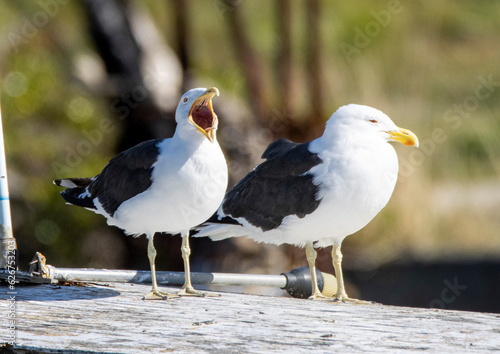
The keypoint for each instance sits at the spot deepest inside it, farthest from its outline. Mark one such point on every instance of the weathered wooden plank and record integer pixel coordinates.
(115, 319)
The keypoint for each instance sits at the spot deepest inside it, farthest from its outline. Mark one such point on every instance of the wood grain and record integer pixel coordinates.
(115, 319)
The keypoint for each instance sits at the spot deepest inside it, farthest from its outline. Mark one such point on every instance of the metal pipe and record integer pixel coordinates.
(297, 282)
(166, 278)
(8, 247)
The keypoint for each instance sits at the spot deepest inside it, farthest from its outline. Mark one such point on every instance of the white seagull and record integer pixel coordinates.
(162, 185)
(317, 193)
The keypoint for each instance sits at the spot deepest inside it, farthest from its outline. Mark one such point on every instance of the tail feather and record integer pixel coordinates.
(220, 231)
(73, 182)
(76, 192)
(79, 197)
(219, 227)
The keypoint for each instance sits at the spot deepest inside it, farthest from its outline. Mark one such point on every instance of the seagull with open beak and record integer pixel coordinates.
(163, 185)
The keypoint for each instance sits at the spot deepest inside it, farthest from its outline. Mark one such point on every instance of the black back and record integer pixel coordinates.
(278, 187)
(125, 176)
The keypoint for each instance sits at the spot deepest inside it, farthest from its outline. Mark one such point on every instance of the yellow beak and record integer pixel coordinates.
(202, 114)
(403, 136)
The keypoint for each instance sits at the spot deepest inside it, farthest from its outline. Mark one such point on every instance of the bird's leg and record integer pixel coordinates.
(341, 294)
(337, 264)
(155, 293)
(187, 289)
(311, 259)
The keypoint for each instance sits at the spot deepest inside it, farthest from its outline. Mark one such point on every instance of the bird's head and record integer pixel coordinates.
(372, 123)
(195, 111)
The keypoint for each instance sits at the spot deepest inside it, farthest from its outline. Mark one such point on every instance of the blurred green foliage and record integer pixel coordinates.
(419, 62)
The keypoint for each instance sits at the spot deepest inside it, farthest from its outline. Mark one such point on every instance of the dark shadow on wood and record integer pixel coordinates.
(37, 350)
(63, 293)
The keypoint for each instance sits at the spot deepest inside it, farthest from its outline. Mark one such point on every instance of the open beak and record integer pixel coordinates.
(202, 114)
(403, 136)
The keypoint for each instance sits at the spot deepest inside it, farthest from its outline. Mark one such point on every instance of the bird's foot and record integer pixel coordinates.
(319, 296)
(158, 295)
(190, 291)
(346, 299)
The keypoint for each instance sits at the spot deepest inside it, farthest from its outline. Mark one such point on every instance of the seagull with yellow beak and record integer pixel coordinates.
(163, 185)
(317, 193)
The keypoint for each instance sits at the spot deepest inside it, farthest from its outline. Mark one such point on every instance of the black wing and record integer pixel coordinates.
(125, 176)
(77, 195)
(276, 188)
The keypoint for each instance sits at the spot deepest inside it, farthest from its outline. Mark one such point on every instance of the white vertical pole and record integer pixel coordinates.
(7, 241)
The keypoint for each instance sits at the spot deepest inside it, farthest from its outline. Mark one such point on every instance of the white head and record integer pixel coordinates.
(367, 123)
(195, 112)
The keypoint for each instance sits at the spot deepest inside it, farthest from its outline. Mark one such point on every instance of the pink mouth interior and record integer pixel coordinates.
(202, 116)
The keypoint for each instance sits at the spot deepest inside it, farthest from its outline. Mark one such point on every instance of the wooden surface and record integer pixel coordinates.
(115, 319)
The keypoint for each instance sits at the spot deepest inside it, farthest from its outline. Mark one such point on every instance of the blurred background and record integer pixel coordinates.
(83, 80)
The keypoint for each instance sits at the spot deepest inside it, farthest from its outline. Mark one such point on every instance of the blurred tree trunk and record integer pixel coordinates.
(130, 98)
(314, 64)
(284, 57)
(252, 68)
(181, 8)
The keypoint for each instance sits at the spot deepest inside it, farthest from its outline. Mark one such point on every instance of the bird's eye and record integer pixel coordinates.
(373, 121)
(185, 99)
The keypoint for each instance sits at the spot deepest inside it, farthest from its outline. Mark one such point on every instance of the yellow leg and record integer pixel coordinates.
(341, 294)
(187, 289)
(155, 293)
(311, 260)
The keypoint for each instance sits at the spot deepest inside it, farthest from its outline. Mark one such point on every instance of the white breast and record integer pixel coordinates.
(187, 188)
